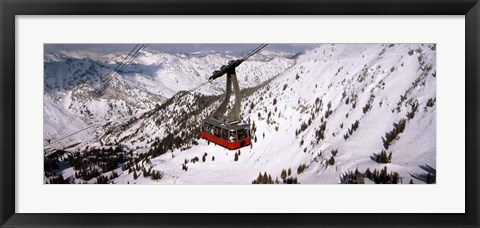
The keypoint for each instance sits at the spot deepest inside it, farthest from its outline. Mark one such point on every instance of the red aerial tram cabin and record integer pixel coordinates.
(230, 136)
(228, 131)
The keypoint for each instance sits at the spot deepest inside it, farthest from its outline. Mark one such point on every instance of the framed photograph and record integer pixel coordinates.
(255, 113)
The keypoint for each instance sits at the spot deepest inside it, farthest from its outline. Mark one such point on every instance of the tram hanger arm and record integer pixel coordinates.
(233, 63)
(225, 69)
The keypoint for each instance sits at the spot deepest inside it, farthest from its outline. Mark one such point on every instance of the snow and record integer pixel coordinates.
(378, 74)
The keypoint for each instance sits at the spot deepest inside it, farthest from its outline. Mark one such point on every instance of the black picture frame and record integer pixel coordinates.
(10, 8)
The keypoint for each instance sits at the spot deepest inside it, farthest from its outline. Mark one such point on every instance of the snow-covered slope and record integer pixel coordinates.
(330, 111)
(73, 78)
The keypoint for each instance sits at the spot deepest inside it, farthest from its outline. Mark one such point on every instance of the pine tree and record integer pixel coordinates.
(135, 176)
(383, 179)
(383, 157)
(395, 178)
(283, 175)
(368, 173)
(265, 178)
(331, 161)
(431, 178)
(301, 168)
(258, 180)
(276, 181)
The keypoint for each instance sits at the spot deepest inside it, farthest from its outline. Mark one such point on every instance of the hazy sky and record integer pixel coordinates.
(176, 48)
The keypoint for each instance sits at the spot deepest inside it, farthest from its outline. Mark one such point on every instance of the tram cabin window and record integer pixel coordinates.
(233, 136)
(242, 134)
(224, 134)
(217, 132)
(210, 129)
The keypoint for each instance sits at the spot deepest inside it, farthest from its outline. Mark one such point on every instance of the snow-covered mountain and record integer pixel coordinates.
(72, 80)
(325, 116)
